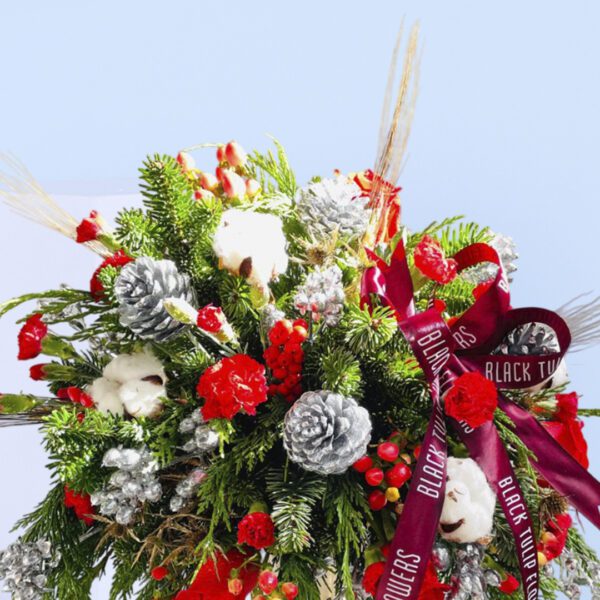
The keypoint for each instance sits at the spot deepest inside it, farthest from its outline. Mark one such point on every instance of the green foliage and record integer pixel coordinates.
(369, 330)
(340, 373)
(294, 495)
(279, 175)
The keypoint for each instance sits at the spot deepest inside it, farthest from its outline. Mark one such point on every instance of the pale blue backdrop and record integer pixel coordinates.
(507, 131)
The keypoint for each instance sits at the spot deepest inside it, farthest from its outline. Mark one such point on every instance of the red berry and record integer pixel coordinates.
(374, 476)
(159, 573)
(290, 590)
(267, 581)
(398, 475)
(280, 332)
(301, 323)
(299, 334)
(235, 586)
(362, 465)
(509, 585)
(388, 451)
(377, 500)
(417, 451)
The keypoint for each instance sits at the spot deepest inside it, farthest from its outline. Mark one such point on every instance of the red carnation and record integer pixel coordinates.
(89, 229)
(431, 261)
(212, 580)
(233, 384)
(31, 336)
(257, 530)
(371, 577)
(118, 259)
(473, 398)
(510, 585)
(76, 396)
(432, 588)
(211, 319)
(81, 504)
(36, 372)
(566, 428)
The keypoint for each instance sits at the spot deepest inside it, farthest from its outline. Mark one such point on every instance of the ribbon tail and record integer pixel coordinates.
(486, 448)
(410, 550)
(558, 467)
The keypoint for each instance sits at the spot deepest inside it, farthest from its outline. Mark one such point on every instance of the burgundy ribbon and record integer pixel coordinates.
(444, 353)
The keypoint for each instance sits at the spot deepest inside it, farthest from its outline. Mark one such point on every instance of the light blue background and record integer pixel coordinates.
(507, 131)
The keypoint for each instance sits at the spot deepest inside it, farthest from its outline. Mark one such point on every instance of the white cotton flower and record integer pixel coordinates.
(468, 512)
(105, 394)
(132, 383)
(251, 244)
(559, 378)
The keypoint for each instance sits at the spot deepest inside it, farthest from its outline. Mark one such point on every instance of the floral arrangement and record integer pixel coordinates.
(281, 391)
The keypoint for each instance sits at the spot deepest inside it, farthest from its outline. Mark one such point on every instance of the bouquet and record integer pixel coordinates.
(280, 391)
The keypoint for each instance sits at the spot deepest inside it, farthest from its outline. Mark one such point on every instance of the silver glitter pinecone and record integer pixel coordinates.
(530, 339)
(333, 204)
(507, 251)
(25, 567)
(141, 288)
(322, 295)
(133, 483)
(326, 432)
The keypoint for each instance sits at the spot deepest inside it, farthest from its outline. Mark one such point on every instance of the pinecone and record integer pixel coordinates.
(326, 432)
(332, 204)
(530, 339)
(506, 249)
(141, 288)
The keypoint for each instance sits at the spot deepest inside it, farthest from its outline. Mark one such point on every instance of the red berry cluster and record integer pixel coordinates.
(268, 583)
(285, 358)
(388, 472)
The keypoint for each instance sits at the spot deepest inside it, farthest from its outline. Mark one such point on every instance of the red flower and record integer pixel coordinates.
(554, 539)
(36, 372)
(386, 194)
(372, 576)
(211, 319)
(233, 384)
(118, 259)
(76, 396)
(431, 261)
(566, 428)
(566, 407)
(473, 398)
(257, 530)
(432, 588)
(31, 336)
(89, 229)
(212, 580)
(509, 585)
(81, 504)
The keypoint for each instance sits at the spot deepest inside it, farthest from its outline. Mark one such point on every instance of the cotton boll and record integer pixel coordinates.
(142, 398)
(128, 367)
(468, 512)
(252, 245)
(105, 394)
(132, 383)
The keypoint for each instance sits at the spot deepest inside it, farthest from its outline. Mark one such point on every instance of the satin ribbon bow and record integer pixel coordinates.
(444, 353)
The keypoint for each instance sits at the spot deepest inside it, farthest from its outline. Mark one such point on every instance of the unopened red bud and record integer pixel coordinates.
(233, 185)
(236, 156)
(235, 586)
(221, 153)
(252, 187)
(203, 195)
(208, 181)
(186, 161)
